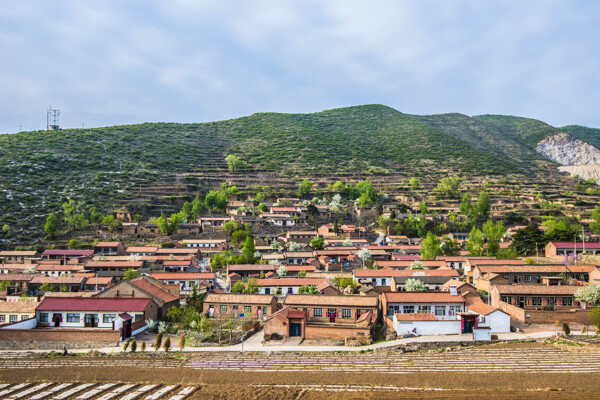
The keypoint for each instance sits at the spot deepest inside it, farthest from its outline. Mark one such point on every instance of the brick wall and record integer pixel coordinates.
(514, 312)
(549, 317)
(52, 339)
(337, 332)
(276, 326)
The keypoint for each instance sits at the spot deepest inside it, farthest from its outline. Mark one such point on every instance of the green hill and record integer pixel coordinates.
(589, 135)
(162, 164)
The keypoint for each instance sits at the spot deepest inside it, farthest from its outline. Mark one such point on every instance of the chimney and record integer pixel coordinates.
(453, 291)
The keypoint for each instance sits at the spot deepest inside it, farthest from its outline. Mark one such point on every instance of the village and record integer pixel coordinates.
(296, 274)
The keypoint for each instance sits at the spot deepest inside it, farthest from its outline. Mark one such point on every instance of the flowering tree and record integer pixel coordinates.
(414, 285)
(416, 265)
(588, 294)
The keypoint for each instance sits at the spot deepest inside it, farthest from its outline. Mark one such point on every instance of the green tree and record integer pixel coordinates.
(465, 204)
(494, 234)
(52, 225)
(595, 317)
(187, 212)
(238, 287)
(46, 287)
(529, 239)
(431, 247)
(317, 243)
(476, 243)
(198, 207)
(304, 188)
(249, 250)
(448, 187)
(414, 183)
(263, 208)
(414, 285)
(252, 286)
(336, 228)
(301, 274)
(483, 203)
(450, 247)
(561, 229)
(234, 163)
(308, 289)
(423, 208)
(130, 274)
(163, 226)
(595, 225)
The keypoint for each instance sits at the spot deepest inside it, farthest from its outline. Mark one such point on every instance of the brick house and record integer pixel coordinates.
(286, 322)
(229, 305)
(109, 249)
(530, 273)
(97, 266)
(141, 250)
(81, 256)
(186, 280)
(250, 270)
(383, 277)
(444, 305)
(282, 286)
(536, 297)
(58, 283)
(14, 311)
(92, 312)
(18, 257)
(335, 316)
(561, 249)
(300, 236)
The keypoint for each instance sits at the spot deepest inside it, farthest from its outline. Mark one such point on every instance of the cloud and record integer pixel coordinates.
(186, 61)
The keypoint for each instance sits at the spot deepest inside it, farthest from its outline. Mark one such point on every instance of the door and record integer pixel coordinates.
(91, 320)
(56, 319)
(295, 329)
(468, 326)
(211, 311)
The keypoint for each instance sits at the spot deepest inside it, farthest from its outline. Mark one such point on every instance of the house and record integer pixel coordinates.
(444, 305)
(178, 266)
(351, 231)
(138, 251)
(92, 312)
(382, 277)
(458, 262)
(336, 317)
(286, 322)
(435, 282)
(300, 236)
(279, 219)
(471, 263)
(424, 324)
(293, 270)
(560, 249)
(208, 245)
(186, 280)
(95, 283)
(281, 286)
(16, 283)
(58, 270)
(228, 305)
(495, 319)
(19, 257)
(14, 311)
(175, 252)
(463, 288)
(65, 255)
(404, 264)
(109, 249)
(145, 287)
(17, 268)
(530, 274)
(97, 266)
(56, 283)
(213, 223)
(297, 257)
(536, 297)
(250, 270)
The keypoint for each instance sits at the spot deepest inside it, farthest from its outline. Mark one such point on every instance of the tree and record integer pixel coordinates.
(293, 246)
(465, 204)
(416, 266)
(163, 226)
(186, 212)
(364, 255)
(133, 346)
(111, 222)
(595, 317)
(588, 294)
(252, 286)
(158, 341)
(595, 225)
(52, 225)
(527, 239)
(414, 183)
(301, 274)
(483, 203)
(282, 271)
(182, 342)
(306, 289)
(414, 285)
(317, 243)
(198, 207)
(238, 287)
(430, 247)
(130, 274)
(304, 188)
(475, 245)
(494, 233)
(46, 287)
(336, 228)
(167, 344)
(263, 208)
(249, 250)
(73, 214)
(450, 247)
(561, 230)
(234, 163)
(448, 187)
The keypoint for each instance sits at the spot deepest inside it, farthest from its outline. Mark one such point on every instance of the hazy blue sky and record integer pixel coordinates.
(117, 62)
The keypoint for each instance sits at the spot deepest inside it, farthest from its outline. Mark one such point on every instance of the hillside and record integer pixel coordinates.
(154, 167)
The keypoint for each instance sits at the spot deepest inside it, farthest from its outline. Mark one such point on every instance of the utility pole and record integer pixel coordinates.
(575, 248)
(537, 254)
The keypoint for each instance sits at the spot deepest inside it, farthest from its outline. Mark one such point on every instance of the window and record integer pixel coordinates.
(424, 309)
(317, 312)
(505, 299)
(567, 301)
(527, 278)
(72, 317)
(138, 317)
(43, 317)
(538, 279)
(409, 309)
(393, 310)
(107, 318)
(440, 310)
(482, 319)
(452, 310)
(536, 301)
(264, 308)
(247, 309)
(13, 318)
(223, 310)
(384, 282)
(346, 313)
(24, 317)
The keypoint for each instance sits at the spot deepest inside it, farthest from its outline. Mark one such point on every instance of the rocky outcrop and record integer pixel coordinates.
(577, 157)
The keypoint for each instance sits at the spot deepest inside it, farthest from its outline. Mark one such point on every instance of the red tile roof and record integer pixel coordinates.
(233, 298)
(291, 281)
(92, 304)
(183, 276)
(154, 290)
(571, 245)
(107, 244)
(368, 273)
(422, 297)
(482, 308)
(72, 253)
(58, 280)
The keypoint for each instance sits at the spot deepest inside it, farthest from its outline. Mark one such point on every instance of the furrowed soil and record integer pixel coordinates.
(233, 382)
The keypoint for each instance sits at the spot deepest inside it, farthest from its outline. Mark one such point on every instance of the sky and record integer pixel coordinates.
(121, 62)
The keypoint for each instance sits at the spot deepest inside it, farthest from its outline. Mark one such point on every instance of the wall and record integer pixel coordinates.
(335, 332)
(498, 322)
(450, 327)
(29, 323)
(276, 326)
(515, 312)
(12, 339)
(549, 317)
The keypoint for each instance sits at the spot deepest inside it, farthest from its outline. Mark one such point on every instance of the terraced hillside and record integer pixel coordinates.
(155, 167)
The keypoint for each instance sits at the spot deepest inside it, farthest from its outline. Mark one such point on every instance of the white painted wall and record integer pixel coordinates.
(444, 327)
(498, 321)
(26, 324)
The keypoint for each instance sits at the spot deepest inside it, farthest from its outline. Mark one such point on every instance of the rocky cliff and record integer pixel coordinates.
(576, 156)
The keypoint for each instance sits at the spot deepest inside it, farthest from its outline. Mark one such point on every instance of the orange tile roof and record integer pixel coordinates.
(368, 273)
(291, 281)
(422, 297)
(538, 289)
(186, 276)
(333, 300)
(482, 308)
(233, 298)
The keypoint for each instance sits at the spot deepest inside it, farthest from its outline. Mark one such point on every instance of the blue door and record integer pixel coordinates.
(295, 329)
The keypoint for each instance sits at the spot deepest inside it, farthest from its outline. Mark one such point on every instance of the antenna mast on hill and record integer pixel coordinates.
(52, 119)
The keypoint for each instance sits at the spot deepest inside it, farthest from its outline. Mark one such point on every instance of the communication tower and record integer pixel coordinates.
(52, 119)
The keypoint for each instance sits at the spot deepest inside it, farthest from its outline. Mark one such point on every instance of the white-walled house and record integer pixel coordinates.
(186, 280)
(283, 286)
(383, 277)
(444, 305)
(92, 312)
(495, 319)
(425, 324)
